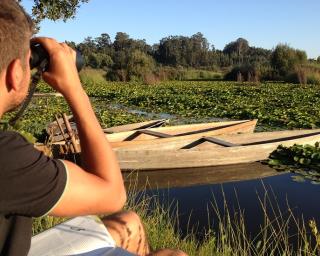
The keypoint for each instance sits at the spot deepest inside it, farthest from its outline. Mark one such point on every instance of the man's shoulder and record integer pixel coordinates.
(6, 136)
(10, 140)
(15, 149)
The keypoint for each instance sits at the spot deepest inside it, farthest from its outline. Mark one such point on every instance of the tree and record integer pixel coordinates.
(99, 60)
(318, 59)
(183, 51)
(103, 41)
(121, 41)
(139, 65)
(55, 10)
(240, 47)
(285, 59)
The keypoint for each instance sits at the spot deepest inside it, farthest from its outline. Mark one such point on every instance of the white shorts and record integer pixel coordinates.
(80, 236)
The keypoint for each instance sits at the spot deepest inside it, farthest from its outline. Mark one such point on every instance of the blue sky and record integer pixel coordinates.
(264, 23)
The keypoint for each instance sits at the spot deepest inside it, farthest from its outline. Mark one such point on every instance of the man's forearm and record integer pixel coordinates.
(96, 152)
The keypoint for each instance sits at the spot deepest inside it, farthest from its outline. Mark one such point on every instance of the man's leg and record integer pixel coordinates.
(167, 252)
(128, 232)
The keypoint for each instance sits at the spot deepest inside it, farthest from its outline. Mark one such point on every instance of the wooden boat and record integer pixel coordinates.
(177, 135)
(214, 151)
(226, 127)
(53, 129)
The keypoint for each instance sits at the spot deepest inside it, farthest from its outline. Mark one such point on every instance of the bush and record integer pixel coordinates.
(285, 59)
(249, 73)
(304, 75)
(184, 74)
(313, 78)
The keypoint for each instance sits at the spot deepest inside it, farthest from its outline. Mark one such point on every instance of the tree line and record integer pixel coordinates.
(126, 59)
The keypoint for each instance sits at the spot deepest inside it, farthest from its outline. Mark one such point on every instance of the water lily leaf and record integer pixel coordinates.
(274, 162)
(298, 178)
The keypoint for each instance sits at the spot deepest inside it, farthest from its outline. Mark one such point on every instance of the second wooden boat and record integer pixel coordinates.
(214, 151)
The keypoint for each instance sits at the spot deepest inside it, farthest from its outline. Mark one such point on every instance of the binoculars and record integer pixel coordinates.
(39, 55)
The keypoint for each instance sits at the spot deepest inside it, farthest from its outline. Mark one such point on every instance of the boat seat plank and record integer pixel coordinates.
(281, 139)
(228, 144)
(155, 124)
(211, 140)
(210, 129)
(147, 132)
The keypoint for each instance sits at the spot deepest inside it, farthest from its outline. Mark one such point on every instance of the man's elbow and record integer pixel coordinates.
(122, 198)
(119, 200)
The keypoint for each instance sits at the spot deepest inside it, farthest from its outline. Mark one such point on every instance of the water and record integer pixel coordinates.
(174, 119)
(195, 201)
(241, 192)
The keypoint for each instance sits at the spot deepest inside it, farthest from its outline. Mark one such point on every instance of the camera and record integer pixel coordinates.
(39, 56)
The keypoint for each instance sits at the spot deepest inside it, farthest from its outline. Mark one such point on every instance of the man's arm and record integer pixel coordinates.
(98, 187)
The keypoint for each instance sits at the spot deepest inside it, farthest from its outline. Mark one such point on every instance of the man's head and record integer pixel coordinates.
(15, 32)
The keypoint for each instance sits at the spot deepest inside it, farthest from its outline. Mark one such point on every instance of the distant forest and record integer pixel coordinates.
(175, 57)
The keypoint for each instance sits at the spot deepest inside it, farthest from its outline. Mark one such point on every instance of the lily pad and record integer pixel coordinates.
(298, 179)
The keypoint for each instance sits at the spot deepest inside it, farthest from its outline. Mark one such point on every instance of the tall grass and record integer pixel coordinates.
(90, 75)
(281, 232)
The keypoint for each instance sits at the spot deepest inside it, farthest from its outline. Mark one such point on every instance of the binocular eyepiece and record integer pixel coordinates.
(39, 55)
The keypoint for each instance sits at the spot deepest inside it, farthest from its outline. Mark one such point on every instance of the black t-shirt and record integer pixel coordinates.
(30, 185)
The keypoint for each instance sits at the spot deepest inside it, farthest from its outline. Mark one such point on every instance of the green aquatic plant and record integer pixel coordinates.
(303, 160)
(278, 105)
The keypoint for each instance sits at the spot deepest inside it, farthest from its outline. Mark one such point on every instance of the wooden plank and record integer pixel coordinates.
(135, 126)
(71, 134)
(211, 140)
(148, 132)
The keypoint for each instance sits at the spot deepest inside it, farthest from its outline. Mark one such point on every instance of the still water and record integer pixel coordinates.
(241, 187)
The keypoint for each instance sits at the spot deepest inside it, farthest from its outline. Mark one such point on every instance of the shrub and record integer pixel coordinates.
(304, 75)
(249, 73)
(285, 59)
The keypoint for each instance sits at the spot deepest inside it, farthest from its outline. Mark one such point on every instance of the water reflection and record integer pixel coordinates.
(198, 176)
(241, 187)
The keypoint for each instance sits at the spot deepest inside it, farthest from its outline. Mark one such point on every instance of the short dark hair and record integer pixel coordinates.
(16, 28)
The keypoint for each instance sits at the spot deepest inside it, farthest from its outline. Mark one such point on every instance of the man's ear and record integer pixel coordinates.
(14, 75)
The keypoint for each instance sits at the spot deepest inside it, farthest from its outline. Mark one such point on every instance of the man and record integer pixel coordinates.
(32, 184)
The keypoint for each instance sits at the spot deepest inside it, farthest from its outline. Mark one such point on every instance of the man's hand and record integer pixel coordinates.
(62, 74)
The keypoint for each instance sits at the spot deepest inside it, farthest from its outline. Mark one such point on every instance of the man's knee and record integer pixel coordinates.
(168, 252)
(128, 219)
(128, 232)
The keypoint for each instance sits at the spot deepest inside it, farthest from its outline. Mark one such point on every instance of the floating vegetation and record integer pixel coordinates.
(303, 160)
(274, 104)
